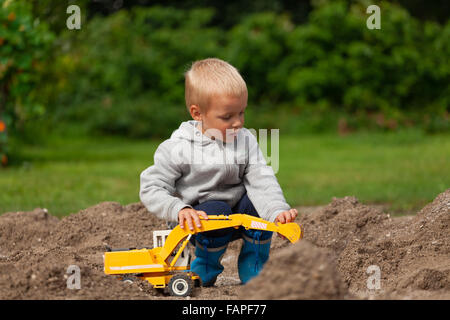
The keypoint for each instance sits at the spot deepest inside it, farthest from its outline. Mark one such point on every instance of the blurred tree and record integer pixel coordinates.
(124, 71)
(336, 61)
(437, 10)
(126, 64)
(257, 47)
(228, 13)
(231, 12)
(23, 44)
(53, 13)
(120, 70)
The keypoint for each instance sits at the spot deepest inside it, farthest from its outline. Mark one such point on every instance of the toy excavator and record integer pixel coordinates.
(168, 263)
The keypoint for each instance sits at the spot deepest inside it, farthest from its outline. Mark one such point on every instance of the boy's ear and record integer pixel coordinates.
(195, 112)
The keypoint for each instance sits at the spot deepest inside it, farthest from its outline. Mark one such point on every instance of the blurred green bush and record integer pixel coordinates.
(123, 73)
(24, 42)
(336, 63)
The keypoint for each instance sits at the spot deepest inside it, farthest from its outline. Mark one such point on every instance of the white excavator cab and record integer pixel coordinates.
(159, 239)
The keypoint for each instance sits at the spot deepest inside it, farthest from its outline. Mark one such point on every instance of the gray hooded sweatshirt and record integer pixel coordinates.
(191, 168)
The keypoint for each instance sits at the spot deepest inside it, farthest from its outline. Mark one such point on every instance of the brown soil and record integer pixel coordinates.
(341, 241)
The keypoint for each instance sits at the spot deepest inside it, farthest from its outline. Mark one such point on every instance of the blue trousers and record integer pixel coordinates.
(211, 245)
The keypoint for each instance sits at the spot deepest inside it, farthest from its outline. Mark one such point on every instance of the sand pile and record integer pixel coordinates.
(327, 233)
(412, 254)
(431, 226)
(20, 230)
(38, 250)
(341, 241)
(341, 222)
(300, 271)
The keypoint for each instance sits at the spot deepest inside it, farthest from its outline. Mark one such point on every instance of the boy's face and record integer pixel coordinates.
(224, 113)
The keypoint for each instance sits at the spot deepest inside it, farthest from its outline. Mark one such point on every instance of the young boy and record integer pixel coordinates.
(202, 170)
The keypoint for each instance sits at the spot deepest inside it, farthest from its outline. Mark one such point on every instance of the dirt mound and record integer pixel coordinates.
(108, 223)
(342, 221)
(45, 274)
(300, 271)
(431, 226)
(38, 250)
(20, 230)
(410, 252)
(342, 241)
(424, 247)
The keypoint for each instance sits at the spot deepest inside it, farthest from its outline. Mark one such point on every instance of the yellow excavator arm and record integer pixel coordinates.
(157, 264)
(290, 231)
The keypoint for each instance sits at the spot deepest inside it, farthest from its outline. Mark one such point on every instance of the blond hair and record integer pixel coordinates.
(209, 77)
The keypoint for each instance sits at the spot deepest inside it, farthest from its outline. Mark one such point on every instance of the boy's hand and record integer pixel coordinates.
(191, 216)
(287, 216)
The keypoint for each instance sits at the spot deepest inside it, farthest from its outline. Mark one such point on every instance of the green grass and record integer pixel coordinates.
(403, 170)
(70, 174)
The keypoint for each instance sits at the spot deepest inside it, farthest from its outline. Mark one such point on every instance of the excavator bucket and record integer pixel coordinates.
(291, 231)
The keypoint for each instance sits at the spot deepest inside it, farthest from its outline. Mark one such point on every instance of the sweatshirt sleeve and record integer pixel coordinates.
(261, 184)
(157, 185)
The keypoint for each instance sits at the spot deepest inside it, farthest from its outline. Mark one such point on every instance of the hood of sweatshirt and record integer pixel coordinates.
(189, 131)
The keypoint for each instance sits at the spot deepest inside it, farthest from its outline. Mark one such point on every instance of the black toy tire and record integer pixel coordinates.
(180, 285)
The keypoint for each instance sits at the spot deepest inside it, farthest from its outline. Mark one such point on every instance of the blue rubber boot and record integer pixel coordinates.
(209, 251)
(254, 253)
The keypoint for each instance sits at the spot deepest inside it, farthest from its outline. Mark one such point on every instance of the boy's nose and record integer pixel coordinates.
(237, 125)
